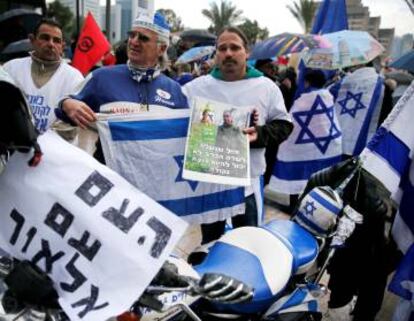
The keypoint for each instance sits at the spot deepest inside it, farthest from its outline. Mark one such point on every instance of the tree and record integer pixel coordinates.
(253, 32)
(304, 11)
(223, 15)
(61, 14)
(173, 20)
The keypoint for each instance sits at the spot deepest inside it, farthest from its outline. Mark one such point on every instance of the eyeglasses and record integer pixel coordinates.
(140, 36)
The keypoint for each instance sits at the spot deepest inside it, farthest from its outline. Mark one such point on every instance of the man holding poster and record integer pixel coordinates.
(233, 82)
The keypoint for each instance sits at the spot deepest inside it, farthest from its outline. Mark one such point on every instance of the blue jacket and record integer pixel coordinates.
(111, 84)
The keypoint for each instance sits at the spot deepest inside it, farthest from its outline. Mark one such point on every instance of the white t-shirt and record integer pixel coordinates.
(43, 100)
(259, 92)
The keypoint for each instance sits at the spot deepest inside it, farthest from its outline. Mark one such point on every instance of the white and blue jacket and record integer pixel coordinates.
(112, 84)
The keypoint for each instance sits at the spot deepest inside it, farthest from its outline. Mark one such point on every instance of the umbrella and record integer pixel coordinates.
(400, 76)
(16, 49)
(21, 46)
(284, 43)
(195, 53)
(345, 49)
(198, 35)
(406, 62)
(18, 13)
(16, 24)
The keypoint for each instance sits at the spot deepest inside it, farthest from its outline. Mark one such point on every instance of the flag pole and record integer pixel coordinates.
(77, 19)
(108, 20)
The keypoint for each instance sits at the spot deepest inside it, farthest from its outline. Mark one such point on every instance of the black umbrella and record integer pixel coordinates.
(406, 62)
(21, 46)
(17, 13)
(198, 35)
(16, 49)
(16, 24)
(400, 76)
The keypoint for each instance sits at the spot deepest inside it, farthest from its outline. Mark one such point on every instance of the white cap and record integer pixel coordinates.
(155, 22)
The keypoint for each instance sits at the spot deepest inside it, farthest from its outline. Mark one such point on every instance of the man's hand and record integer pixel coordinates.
(251, 133)
(80, 113)
(287, 82)
(255, 118)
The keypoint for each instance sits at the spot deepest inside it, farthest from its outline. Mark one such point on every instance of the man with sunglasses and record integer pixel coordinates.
(44, 77)
(139, 80)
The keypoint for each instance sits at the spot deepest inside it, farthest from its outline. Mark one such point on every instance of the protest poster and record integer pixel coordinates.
(217, 150)
(99, 239)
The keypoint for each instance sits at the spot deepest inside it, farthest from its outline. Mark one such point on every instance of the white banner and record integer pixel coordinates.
(99, 238)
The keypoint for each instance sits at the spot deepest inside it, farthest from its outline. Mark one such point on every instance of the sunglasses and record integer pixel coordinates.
(141, 37)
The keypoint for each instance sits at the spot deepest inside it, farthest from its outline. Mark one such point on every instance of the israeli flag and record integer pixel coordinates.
(302, 299)
(148, 150)
(402, 284)
(358, 107)
(315, 143)
(388, 157)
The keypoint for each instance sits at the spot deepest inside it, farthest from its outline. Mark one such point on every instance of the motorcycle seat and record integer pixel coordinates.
(300, 242)
(254, 256)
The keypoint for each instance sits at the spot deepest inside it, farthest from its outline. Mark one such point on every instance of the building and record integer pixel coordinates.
(129, 10)
(84, 7)
(116, 19)
(358, 15)
(402, 45)
(374, 26)
(359, 19)
(386, 37)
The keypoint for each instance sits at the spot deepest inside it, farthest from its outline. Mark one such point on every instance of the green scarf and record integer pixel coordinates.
(250, 73)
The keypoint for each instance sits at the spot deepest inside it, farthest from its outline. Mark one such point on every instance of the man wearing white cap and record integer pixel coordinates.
(139, 81)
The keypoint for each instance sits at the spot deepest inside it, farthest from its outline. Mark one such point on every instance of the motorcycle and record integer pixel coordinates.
(281, 262)
(285, 285)
(285, 279)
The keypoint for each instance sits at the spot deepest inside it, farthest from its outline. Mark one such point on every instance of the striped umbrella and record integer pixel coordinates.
(284, 43)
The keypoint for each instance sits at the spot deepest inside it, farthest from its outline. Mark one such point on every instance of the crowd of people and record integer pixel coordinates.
(283, 138)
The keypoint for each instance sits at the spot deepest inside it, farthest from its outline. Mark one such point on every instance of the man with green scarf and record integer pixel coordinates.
(235, 83)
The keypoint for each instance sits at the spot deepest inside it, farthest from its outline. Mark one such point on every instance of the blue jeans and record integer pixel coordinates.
(213, 231)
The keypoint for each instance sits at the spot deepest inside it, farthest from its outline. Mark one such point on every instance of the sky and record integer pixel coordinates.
(274, 15)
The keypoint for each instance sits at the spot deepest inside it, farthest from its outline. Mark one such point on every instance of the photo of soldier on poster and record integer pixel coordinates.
(217, 150)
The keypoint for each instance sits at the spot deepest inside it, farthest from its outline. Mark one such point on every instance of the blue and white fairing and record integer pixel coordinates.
(264, 258)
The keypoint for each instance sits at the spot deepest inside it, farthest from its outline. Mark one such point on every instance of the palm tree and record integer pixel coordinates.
(304, 11)
(221, 16)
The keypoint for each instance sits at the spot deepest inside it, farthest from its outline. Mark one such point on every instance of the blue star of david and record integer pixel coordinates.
(309, 208)
(180, 162)
(304, 118)
(357, 106)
